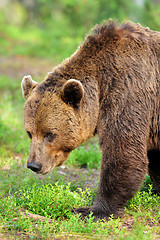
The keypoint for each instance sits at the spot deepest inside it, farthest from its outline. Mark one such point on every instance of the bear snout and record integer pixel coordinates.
(36, 167)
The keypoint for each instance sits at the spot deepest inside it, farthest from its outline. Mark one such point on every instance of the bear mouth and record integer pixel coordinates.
(47, 171)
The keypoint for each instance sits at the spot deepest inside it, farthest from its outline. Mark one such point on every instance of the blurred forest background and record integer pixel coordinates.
(54, 28)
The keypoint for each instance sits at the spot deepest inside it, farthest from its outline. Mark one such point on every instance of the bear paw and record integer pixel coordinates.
(86, 211)
(83, 211)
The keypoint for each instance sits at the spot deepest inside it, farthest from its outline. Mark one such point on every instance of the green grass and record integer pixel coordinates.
(12, 134)
(86, 156)
(37, 42)
(55, 201)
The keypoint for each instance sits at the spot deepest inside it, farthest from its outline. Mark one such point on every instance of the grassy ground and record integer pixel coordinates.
(38, 207)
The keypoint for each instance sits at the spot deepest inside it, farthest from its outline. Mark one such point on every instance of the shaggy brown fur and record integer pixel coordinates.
(112, 85)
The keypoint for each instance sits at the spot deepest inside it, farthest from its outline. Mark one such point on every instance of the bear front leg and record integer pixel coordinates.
(123, 169)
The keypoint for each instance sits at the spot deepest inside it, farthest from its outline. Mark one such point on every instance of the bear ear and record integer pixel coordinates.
(72, 92)
(27, 86)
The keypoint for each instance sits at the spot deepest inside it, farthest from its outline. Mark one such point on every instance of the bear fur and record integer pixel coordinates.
(110, 85)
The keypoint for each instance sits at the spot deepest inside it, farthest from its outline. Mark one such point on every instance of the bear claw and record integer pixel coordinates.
(83, 211)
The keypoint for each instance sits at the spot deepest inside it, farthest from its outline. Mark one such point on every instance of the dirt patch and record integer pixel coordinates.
(83, 178)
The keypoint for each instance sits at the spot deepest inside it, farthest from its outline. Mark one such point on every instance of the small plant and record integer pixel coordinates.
(144, 200)
(52, 201)
(86, 156)
(146, 184)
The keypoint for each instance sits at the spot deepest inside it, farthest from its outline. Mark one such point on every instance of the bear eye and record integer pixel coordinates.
(29, 134)
(50, 136)
(67, 150)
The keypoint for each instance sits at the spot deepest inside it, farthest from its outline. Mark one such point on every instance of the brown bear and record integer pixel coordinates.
(110, 85)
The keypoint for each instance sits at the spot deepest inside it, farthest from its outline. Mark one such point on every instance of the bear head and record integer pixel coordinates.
(53, 121)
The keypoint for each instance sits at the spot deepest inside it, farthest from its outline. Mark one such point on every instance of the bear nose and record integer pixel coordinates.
(36, 167)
